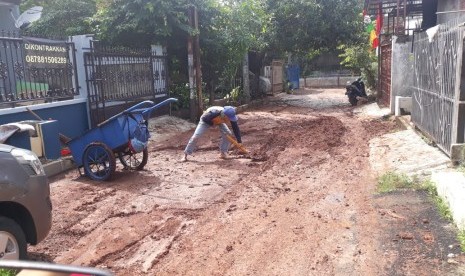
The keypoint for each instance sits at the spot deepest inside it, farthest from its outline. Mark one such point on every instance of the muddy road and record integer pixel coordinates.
(307, 207)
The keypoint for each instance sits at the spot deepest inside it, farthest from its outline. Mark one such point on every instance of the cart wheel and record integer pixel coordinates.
(134, 161)
(99, 161)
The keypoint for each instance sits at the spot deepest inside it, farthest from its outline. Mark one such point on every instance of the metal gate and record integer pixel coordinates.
(385, 74)
(35, 70)
(438, 100)
(118, 77)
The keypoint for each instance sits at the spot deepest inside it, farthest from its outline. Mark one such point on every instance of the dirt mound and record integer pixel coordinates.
(307, 135)
(376, 127)
(163, 127)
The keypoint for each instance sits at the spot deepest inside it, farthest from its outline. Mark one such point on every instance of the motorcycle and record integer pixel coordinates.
(355, 90)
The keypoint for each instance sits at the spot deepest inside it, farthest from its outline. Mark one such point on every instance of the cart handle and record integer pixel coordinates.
(146, 113)
(144, 103)
(139, 105)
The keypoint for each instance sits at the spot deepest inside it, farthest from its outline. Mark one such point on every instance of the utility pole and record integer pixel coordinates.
(198, 70)
(195, 73)
(190, 66)
(245, 77)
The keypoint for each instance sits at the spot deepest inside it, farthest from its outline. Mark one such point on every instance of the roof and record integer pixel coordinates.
(413, 7)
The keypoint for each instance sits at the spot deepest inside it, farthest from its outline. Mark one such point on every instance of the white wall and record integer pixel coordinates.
(402, 69)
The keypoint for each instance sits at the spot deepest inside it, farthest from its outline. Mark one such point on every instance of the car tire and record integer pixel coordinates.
(12, 240)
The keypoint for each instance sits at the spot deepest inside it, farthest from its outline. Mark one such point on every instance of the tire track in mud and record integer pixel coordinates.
(149, 250)
(93, 205)
(62, 234)
(92, 239)
(129, 238)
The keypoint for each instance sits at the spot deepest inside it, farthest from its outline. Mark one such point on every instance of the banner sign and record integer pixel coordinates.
(43, 53)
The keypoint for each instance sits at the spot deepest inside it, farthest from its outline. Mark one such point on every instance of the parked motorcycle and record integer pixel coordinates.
(355, 90)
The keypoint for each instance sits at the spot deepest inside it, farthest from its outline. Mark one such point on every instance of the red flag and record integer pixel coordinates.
(379, 26)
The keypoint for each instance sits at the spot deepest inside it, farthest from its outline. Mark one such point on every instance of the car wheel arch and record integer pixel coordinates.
(22, 217)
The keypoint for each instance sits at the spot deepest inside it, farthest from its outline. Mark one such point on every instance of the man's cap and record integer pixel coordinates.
(230, 112)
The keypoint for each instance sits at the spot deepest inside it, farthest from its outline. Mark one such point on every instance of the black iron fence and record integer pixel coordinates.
(34, 70)
(119, 75)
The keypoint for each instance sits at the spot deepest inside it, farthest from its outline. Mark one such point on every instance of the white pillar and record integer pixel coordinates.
(82, 45)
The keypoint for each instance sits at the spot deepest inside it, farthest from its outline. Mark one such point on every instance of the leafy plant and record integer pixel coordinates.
(362, 59)
(443, 209)
(62, 17)
(7, 272)
(461, 237)
(440, 203)
(182, 93)
(235, 96)
(392, 181)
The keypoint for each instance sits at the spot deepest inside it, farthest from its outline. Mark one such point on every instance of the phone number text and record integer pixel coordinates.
(44, 59)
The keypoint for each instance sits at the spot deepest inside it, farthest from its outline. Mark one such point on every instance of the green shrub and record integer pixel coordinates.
(7, 272)
(392, 181)
(441, 205)
(461, 237)
(234, 97)
(182, 93)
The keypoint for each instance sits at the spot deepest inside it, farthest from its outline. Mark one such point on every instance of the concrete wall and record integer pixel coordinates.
(71, 115)
(402, 69)
(326, 81)
(451, 188)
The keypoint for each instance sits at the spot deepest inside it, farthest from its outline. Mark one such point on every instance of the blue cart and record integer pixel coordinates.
(124, 135)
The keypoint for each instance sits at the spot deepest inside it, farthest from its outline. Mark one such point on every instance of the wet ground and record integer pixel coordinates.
(307, 206)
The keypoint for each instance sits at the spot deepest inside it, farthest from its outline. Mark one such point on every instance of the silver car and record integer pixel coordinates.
(25, 206)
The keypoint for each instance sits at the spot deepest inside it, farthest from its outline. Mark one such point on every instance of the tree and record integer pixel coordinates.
(62, 17)
(230, 30)
(140, 22)
(358, 55)
(310, 26)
